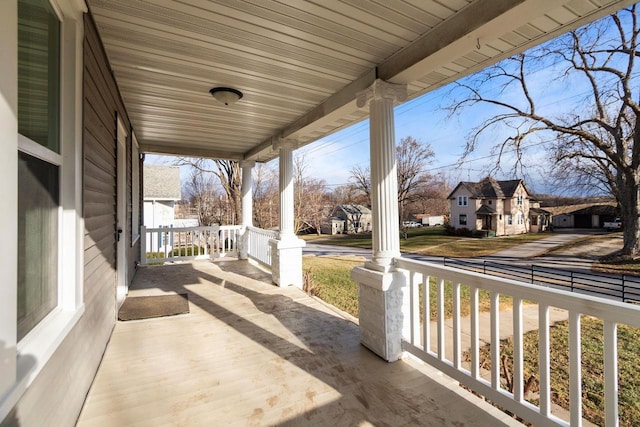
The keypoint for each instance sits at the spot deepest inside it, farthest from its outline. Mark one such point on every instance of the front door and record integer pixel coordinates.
(486, 222)
(121, 226)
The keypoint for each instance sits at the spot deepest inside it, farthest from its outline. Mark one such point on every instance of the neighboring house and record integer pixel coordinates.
(349, 219)
(586, 215)
(498, 207)
(161, 191)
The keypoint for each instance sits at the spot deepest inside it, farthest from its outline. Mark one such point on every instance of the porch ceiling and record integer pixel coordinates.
(300, 63)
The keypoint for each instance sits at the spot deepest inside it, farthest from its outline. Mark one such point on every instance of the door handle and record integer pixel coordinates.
(118, 233)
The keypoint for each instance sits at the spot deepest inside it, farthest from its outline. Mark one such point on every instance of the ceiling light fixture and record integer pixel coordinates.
(226, 95)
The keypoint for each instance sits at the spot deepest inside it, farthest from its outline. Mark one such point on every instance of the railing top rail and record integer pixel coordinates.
(604, 309)
(262, 230)
(196, 228)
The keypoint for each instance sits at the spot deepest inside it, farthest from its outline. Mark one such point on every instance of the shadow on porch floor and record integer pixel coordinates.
(250, 353)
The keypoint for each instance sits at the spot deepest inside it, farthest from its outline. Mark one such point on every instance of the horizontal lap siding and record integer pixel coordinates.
(57, 394)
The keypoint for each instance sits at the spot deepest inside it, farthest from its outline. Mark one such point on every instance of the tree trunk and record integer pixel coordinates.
(630, 215)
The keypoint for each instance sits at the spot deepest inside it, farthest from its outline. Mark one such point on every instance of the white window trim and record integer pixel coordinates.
(463, 201)
(31, 354)
(135, 190)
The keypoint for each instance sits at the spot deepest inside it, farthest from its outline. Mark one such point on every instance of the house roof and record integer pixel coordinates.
(584, 208)
(490, 188)
(161, 182)
(355, 209)
(540, 211)
(301, 65)
(486, 210)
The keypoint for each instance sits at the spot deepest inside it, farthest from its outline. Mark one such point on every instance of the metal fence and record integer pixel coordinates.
(619, 287)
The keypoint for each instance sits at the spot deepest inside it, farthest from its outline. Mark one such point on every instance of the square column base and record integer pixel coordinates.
(383, 299)
(286, 261)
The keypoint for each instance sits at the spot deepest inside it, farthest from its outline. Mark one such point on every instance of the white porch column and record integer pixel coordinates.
(247, 205)
(286, 251)
(382, 294)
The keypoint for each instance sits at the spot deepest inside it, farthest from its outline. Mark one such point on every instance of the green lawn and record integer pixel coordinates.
(330, 280)
(434, 241)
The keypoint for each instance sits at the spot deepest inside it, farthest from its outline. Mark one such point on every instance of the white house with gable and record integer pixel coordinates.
(161, 190)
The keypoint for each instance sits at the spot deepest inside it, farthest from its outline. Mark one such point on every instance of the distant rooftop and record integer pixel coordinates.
(161, 182)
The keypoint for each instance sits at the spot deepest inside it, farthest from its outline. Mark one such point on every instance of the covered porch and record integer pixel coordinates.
(249, 353)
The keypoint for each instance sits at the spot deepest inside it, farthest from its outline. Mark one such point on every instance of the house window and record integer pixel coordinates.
(490, 201)
(520, 218)
(509, 219)
(462, 201)
(534, 220)
(519, 199)
(135, 190)
(39, 161)
(463, 219)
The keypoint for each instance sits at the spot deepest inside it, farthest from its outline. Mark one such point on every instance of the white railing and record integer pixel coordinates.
(258, 247)
(168, 244)
(446, 351)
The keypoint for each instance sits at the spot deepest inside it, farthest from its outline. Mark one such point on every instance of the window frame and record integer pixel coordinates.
(22, 361)
(135, 189)
(460, 216)
(509, 219)
(463, 200)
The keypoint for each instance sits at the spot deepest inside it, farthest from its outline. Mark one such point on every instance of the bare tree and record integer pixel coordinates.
(347, 194)
(202, 196)
(228, 174)
(598, 139)
(362, 181)
(266, 206)
(310, 198)
(412, 159)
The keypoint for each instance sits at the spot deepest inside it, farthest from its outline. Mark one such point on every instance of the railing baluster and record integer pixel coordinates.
(414, 283)
(475, 334)
(426, 312)
(495, 340)
(611, 373)
(575, 371)
(518, 357)
(440, 319)
(456, 325)
(544, 360)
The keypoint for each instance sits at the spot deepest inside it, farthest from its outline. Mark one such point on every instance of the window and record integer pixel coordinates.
(490, 201)
(135, 190)
(520, 218)
(39, 161)
(519, 199)
(462, 220)
(462, 201)
(534, 220)
(509, 219)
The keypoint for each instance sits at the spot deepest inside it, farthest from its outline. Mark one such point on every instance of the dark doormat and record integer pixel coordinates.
(153, 306)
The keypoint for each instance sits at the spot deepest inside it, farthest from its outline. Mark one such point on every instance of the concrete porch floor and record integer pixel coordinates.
(250, 353)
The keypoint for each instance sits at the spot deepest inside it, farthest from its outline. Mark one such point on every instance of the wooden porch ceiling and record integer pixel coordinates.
(300, 63)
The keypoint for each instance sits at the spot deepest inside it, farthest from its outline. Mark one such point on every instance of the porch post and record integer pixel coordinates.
(247, 206)
(382, 295)
(286, 251)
